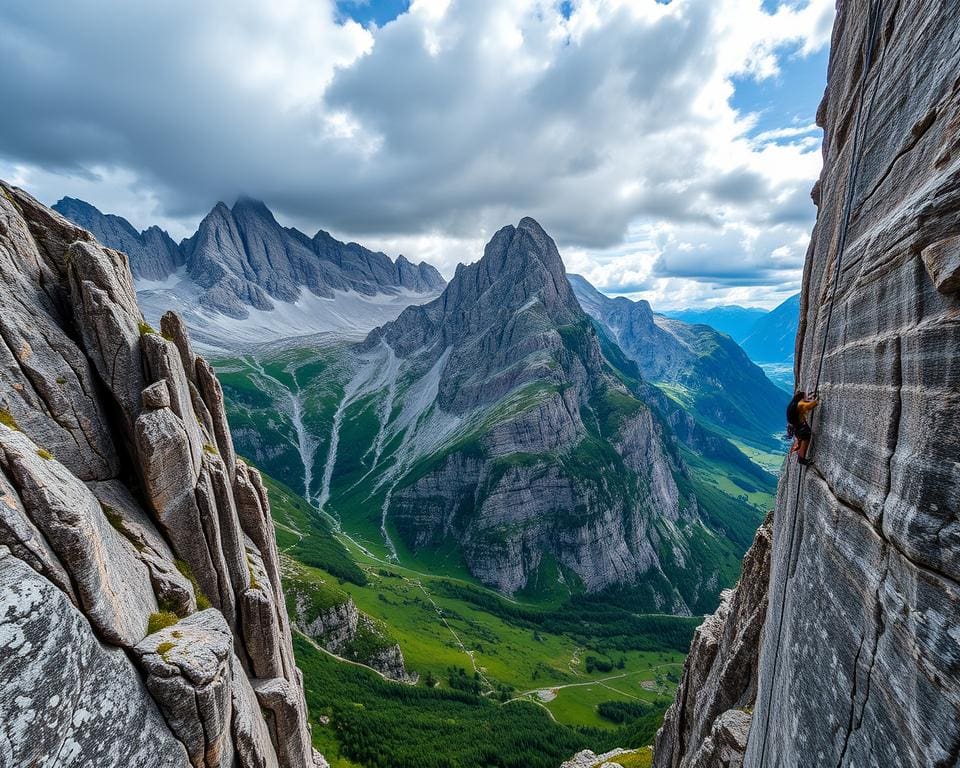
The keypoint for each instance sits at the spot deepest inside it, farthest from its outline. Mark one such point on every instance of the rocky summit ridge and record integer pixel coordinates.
(242, 258)
(507, 434)
(142, 620)
(857, 585)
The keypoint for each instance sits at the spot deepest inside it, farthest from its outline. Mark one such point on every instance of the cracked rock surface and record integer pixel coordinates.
(859, 659)
(67, 699)
(124, 510)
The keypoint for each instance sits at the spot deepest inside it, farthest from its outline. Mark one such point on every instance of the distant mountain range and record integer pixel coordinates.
(772, 337)
(700, 367)
(495, 428)
(767, 337)
(731, 319)
(243, 276)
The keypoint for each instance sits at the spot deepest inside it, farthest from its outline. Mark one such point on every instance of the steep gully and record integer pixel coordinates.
(364, 382)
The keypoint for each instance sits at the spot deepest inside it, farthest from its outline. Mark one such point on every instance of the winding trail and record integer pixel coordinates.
(456, 637)
(599, 681)
(319, 647)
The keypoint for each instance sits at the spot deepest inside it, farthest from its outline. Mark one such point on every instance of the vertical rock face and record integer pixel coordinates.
(859, 663)
(123, 510)
(719, 683)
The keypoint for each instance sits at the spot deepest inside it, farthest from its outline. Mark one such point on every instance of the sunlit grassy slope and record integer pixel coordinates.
(485, 663)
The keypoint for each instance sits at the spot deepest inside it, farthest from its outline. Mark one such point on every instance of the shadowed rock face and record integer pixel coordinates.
(123, 508)
(241, 257)
(866, 670)
(708, 720)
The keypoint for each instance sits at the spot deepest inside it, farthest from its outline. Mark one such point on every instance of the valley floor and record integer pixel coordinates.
(483, 662)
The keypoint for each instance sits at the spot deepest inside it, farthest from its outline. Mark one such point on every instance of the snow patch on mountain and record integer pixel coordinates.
(348, 314)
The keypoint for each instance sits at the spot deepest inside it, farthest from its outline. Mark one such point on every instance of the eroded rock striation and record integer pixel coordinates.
(859, 657)
(142, 620)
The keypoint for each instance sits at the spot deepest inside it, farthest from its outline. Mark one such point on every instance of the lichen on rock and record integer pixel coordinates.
(113, 510)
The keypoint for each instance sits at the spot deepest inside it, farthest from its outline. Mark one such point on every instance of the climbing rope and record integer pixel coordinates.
(873, 27)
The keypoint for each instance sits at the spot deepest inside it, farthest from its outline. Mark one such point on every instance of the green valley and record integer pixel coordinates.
(492, 521)
(542, 674)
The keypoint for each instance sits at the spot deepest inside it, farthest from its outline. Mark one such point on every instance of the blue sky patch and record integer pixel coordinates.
(789, 99)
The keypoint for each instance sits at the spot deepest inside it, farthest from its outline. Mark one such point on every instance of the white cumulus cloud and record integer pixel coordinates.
(612, 125)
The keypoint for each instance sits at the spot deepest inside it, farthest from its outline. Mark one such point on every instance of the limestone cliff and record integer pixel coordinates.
(331, 619)
(142, 619)
(859, 661)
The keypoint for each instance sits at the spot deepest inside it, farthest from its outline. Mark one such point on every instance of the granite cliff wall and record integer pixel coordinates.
(142, 620)
(859, 657)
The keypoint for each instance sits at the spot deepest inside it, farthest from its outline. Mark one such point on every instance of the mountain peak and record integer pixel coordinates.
(220, 209)
(241, 257)
(510, 303)
(532, 225)
(75, 204)
(152, 253)
(245, 204)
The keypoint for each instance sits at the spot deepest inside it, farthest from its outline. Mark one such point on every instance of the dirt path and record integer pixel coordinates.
(601, 680)
(456, 637)
(319, 647)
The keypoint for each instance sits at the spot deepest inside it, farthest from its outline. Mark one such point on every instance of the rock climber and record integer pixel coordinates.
(798, 409)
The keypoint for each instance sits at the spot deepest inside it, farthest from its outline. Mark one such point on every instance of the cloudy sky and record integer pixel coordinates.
(668, 147)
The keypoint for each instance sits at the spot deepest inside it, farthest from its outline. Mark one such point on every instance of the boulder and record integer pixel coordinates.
(169, 483)
(163, 363)
(259, 611)
(173, 328)
(157, 395)
(189, 671)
